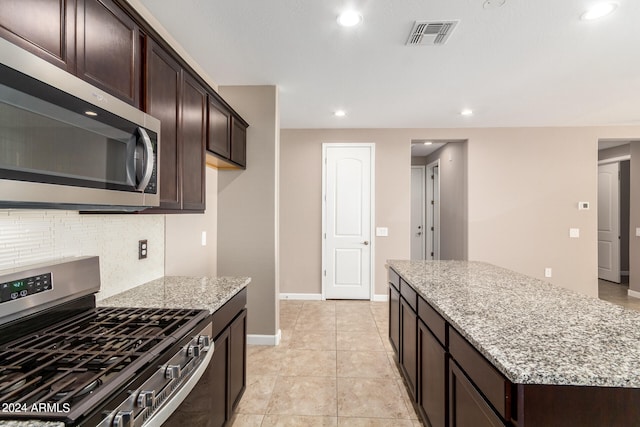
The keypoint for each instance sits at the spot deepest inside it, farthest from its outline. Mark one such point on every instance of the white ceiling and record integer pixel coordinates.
(527, 63)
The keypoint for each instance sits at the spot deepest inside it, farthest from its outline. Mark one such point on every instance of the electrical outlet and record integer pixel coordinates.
(142, 249)
(547, 272)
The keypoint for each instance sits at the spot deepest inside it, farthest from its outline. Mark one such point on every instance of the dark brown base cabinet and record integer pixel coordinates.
(212, 402)
(432, 377)
(467, 406)
(454, 385)
(394, 318)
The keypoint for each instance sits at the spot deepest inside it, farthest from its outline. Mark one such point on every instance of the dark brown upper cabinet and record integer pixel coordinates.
(93, 39)
(179, 102)
(238, 141)
(227, 136)
(192, 138)
(108, 49)
(219, 141)
(45, 28)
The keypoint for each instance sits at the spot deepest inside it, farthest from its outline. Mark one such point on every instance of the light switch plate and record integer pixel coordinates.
(574, 233)
(583, 206)
(382, 231)
(637, 231)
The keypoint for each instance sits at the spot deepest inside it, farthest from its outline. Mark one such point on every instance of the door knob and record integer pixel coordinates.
(366, 242)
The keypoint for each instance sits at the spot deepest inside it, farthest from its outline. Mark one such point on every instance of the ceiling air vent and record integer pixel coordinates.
(431, 33)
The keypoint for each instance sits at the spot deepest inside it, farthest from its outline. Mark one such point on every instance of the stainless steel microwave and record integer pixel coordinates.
(65, 144)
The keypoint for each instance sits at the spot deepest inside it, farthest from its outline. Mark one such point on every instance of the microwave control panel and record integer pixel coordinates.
(10, 291)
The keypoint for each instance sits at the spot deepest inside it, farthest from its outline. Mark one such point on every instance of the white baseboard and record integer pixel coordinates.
(254, 339)
(305, 297)
(634, 294)
(318, 297)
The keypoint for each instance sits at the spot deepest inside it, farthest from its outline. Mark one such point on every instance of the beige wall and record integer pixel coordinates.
(453, 199)
(523, 186)
(184, 253)
(247, 209)
(301, 204)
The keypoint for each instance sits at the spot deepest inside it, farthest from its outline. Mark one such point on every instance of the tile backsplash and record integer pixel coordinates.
(35, 236)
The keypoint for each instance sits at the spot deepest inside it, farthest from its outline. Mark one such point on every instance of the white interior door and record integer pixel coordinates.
(609, 222)
(348, 248)
(417, 212)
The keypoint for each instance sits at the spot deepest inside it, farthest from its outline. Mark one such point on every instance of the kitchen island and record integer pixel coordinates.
(213, 401)
(481, 345)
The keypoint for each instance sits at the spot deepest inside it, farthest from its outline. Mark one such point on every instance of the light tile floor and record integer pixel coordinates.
(334, 367)
(617, 293)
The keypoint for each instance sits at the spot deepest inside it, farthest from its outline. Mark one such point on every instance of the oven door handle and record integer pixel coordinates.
(164, 412)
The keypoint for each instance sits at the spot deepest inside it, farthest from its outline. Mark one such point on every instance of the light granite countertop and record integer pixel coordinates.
(209, 293)
(530, 330)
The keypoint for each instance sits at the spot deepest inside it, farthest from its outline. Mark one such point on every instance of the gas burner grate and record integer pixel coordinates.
(88, 357)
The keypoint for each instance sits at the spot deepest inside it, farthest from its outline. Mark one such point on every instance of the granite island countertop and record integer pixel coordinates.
(208, 293)
(530, 330)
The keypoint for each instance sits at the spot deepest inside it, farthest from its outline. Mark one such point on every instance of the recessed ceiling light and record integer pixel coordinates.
(598, 10)
(91, 113)
(340, 113)
(349, 18)
(466, 112)
(427, 143)
(492, 4)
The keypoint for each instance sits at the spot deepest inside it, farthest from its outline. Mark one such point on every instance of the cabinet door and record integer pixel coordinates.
(219, 389)
(238, 141)
(219, 137)
(237, 359)
(164, 77)
(409, 344)
(45, 28)
(432, 377)
(467, 407)
(108, 49)
(192, 135)
(394, 318)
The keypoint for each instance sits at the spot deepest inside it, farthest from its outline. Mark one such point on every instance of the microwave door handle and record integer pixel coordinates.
(148, 165)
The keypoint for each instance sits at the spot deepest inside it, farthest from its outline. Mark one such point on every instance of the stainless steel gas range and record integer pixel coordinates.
(64, 359)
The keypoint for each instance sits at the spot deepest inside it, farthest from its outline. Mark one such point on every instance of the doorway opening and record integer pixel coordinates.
(614, 206)
(438, 199)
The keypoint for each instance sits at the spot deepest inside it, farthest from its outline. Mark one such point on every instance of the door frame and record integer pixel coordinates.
(423, 209)
(372, 159)
(433, 236)
(604, 162)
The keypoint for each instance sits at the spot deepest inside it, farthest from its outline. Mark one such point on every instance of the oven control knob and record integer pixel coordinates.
(172, 372)
(204, 341)
(123, 419)
(146, 398)
(193, 351)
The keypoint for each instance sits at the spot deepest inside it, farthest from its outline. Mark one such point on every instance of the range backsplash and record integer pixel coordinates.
(33, 236)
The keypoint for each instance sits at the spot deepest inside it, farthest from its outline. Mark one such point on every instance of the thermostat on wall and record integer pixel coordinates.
(583, 206)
